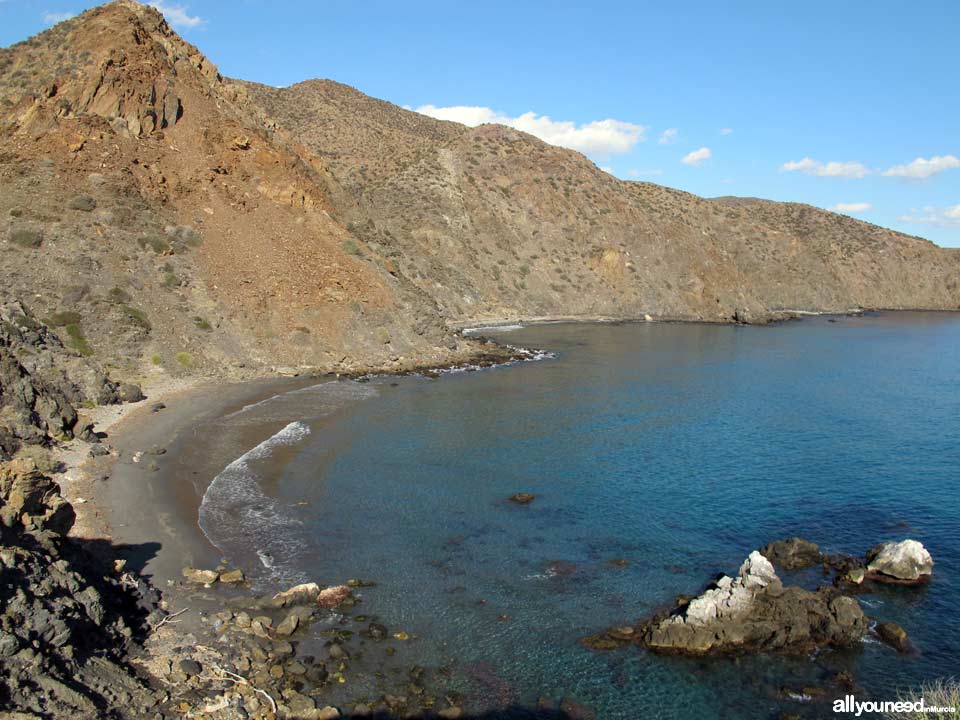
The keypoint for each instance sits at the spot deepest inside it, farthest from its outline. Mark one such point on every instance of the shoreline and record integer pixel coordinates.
(109, 492)
(140, 500)
(151, 515)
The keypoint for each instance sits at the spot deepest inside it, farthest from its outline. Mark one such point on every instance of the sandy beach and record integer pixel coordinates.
(144, 495)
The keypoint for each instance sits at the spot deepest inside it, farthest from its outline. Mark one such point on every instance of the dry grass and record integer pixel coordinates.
(944, 692)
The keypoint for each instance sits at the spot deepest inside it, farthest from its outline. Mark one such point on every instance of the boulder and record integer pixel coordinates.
(288, 625)
(232, 576)
(331, 597)
(30, 499)
(200, 577)
(793, 554)
(754, 612)
(906, 562)
(297, 595)
(894, 635)
(130, 393)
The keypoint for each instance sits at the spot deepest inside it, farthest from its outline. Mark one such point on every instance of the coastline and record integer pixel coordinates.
(125, 501)
(151, 515)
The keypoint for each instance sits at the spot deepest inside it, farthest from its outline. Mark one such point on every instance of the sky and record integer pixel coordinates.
(852, 105)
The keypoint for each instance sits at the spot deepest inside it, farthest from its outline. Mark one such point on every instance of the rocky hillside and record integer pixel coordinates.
(165, 219)
(492, 223)
(155, 219)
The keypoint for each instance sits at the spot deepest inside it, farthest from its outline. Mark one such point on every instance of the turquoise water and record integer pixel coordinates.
(679, 448)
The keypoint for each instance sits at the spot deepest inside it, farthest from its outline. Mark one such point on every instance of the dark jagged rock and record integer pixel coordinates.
(41, 383)
(793, 554)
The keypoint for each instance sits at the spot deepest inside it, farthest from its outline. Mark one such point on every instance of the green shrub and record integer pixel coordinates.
(77, 341)
(137, 317)
(84, 203)
(202, 324)
(25, 237)
(68, 317)
(170, 280)
(156, 360)
(16, 212)
(349, 246)
(185, 359)
(118, 295)
(157, 244)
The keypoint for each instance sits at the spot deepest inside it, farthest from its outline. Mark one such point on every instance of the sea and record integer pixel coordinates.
(659, 454)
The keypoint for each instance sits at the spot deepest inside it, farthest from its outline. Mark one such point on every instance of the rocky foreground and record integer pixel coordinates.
(755, 612)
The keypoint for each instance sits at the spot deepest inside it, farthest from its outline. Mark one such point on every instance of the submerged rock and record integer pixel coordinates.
(754, 612)
(793, 554)
(906, 562)
(523, 498)
(894, 635)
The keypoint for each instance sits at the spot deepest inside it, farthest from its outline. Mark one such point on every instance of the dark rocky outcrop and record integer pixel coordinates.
(793, 554)
(65, 623)
(42, 382)
(754, 612)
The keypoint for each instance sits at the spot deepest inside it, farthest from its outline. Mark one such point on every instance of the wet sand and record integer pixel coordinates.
(147, 503)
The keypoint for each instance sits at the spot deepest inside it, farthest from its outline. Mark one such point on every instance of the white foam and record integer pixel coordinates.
(235, 512)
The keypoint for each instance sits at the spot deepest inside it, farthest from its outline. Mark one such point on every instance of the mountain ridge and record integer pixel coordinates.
(234, 227)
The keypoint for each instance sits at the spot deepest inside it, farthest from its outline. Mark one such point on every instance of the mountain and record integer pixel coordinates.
(167, 219)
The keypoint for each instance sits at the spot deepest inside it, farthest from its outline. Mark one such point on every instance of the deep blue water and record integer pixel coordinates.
(677, 447)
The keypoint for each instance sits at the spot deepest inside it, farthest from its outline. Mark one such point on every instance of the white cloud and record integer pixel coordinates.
(52, 18)
(668, 136)
(809, 166)
(726, 131)
(697, 157)
(922, 168)
(177, 15)
(600, 137)
(949, 217)
(854, 207)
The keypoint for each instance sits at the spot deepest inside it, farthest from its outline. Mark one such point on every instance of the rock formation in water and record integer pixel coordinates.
(754, 612)
(906, 562)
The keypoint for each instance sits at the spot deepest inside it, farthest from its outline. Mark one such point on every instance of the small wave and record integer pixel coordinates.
(306, 402)
(235, 513)
(545, 575)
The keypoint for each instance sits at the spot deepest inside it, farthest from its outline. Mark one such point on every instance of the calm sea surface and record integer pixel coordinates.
(676, 447)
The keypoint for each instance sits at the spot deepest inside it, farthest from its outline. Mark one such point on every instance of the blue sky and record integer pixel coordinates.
(848, 105)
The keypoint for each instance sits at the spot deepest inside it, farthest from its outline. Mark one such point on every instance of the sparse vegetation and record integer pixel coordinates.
(137, 317)
(77, 341)
(61, 319)
(184, 359)
(118, 295)
(157, 244)
(944, 692)
(84, 203)
(26, 237)
(350, 247)
(202, 324)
